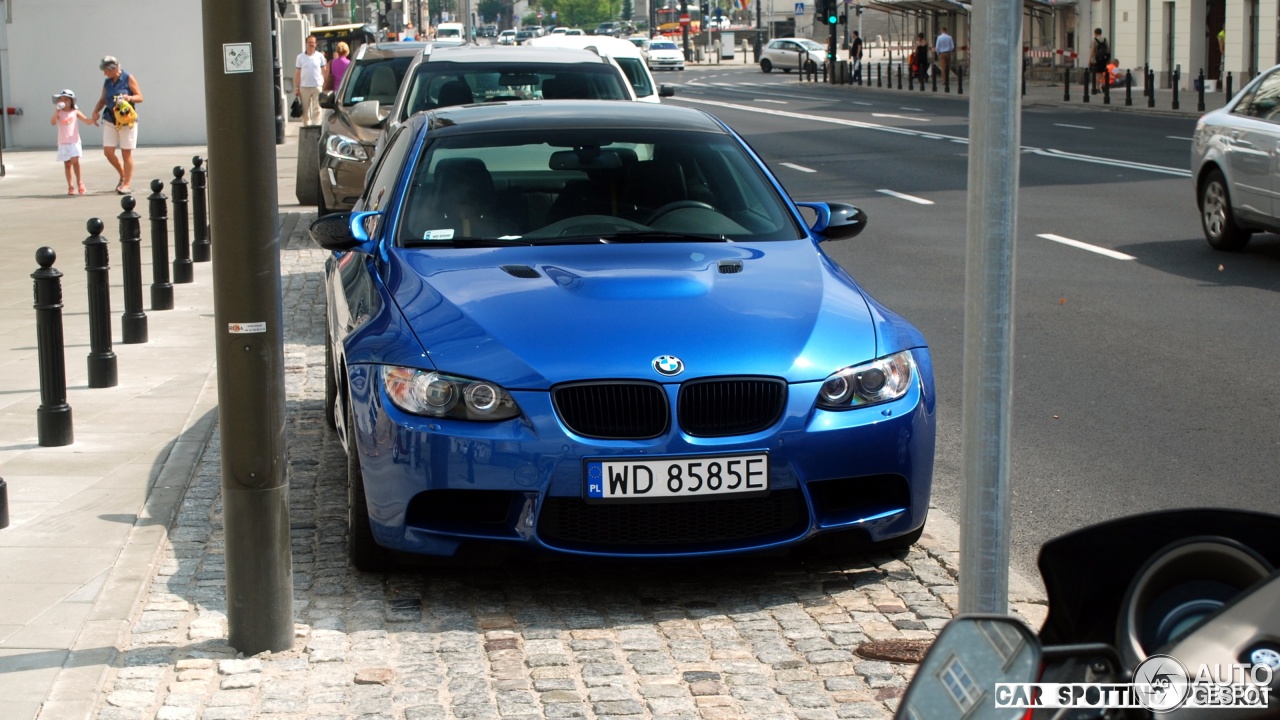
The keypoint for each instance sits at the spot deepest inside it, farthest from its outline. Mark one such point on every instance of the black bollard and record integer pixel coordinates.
(1177, 79)
(102, 361)
(1087, 84)
(960, 82)
(200, 251)
(1227, 88)
(183, 272)
(935, 81)
(899, 76)
(1128, 88)
(1200, 93)
(1066, 84)
(1106, 89)
(878, 76)
(53, 417)
(4, 505)
(161, 288)
(1151, 88)
(133, 324)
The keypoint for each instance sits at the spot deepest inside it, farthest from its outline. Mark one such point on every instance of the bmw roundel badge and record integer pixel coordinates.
(668, 365)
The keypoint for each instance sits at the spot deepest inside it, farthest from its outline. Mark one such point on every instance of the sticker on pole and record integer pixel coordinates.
(237, 58)
(246, 328)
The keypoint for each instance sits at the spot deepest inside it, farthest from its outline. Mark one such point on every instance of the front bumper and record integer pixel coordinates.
(433, 485)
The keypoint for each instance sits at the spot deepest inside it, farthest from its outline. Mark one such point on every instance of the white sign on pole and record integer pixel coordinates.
(237, 58)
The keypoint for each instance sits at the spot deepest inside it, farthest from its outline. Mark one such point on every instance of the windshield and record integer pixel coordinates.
(633, 68)
(590, 186)
(375, 79)
(440, 84)
(812, 46)
(663, 46)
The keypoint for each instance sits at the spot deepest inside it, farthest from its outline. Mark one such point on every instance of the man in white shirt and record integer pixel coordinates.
(308, 78)
(944, 47)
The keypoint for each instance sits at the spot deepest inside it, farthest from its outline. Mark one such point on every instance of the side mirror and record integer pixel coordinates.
(959, 674)
(666, 91)
(367, 113)
(836, 220)
(342, 232)
(328, 100)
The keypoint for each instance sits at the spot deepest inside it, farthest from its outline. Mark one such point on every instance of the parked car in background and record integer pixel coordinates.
(606, 28)
(787, 54)
(491, 31)
(507, 37)
(524, 35)
(662, 54)
(1235, 153)
(333, 162)
(440, 77)
(601, 329)
(449, 34)
(626, 55)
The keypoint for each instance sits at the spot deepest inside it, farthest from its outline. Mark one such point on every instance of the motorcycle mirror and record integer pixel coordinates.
(958, 676)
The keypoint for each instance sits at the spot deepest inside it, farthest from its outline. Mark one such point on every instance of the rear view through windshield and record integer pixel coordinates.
(441, 84)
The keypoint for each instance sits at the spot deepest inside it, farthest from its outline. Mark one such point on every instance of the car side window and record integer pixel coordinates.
(382, 178)
(1265, 103)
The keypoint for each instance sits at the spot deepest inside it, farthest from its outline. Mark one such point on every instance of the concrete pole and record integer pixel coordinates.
(986, 410)
(248, 323)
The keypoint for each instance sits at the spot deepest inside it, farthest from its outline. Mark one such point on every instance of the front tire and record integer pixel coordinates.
(365, 554)
(766, 66)
(1216, 218)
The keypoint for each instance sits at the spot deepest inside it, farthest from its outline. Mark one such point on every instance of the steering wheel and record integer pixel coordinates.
(677, 205)
(585, 225)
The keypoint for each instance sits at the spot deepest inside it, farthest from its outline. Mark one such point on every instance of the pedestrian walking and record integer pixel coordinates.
(1099, 56)
(944, 47)
(855, 57)
(920, 59)
(308, 78)
(338, 67)
(67, 118)
(117, 110)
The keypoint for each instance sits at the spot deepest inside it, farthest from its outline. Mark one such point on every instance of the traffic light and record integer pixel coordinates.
(706, 10)
(830, 11)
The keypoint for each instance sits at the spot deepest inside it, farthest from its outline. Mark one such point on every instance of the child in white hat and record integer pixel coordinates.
(65, 115)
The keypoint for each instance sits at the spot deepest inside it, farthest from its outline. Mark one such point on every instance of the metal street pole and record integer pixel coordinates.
(248, 323)
(987, 393)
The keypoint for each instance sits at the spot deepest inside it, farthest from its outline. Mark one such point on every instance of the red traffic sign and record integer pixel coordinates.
(684, 19)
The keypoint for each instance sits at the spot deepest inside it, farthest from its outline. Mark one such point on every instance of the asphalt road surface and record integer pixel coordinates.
(1144, 369)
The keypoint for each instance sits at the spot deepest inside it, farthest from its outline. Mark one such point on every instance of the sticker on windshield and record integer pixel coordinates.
(446, 234)
(357, 99)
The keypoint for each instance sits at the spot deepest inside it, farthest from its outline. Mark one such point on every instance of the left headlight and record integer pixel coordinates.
(344, 148)
(882, 380)
(423, 392)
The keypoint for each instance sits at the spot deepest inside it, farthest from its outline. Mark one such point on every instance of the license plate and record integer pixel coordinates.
(665, 478)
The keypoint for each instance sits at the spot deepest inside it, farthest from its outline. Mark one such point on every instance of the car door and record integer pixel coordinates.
(1252, 143)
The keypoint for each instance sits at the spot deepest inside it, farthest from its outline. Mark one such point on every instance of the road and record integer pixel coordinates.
(1144, 361)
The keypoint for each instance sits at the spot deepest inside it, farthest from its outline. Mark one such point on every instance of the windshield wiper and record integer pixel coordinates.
(660, 236)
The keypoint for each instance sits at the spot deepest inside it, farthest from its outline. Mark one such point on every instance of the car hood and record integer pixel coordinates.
(530, 317)
(340, 123)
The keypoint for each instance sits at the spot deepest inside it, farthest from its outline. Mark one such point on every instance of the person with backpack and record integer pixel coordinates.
(1099, 56)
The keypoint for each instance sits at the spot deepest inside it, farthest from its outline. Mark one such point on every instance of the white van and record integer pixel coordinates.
(450, 33)
(622, 52)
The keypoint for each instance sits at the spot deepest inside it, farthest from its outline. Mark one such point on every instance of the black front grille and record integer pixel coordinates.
(690, 526)
(614, 410)
(730, 406)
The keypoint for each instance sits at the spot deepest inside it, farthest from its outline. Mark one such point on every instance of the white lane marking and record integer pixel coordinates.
(900, 117)
(801, 168)
(911, 109)
(775, 102)
(1044, 152)
(908, 198)
(1086, 246)
(1074, 127)
(855, 102)
(1178, 137)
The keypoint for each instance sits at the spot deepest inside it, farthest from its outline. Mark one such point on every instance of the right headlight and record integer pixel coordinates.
(345, 148)
(879, 381)
(424, 392)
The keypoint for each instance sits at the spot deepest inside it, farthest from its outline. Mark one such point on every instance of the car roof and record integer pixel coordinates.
(605, 44)
(389, 49)
(565, 115)
(493, 53)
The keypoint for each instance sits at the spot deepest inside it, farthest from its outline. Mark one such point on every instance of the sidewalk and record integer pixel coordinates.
(114, 605)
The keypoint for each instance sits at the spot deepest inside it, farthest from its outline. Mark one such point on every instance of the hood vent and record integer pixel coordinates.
(521, 271)
(729, 267)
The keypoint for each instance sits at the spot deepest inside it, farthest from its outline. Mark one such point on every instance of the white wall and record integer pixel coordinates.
(55, 44)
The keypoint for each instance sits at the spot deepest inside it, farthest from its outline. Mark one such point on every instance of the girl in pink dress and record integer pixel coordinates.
(65, 117)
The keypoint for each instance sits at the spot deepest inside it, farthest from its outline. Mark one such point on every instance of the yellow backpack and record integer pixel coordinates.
(126, 116)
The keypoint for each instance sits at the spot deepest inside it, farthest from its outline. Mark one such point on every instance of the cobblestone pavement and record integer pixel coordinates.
(750, 638)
